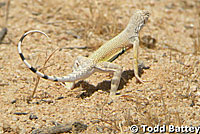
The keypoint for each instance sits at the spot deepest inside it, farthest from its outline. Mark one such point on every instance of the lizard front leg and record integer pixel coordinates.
(135, 42)
(117, 70)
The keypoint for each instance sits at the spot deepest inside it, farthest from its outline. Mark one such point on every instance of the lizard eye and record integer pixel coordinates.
(77, 64)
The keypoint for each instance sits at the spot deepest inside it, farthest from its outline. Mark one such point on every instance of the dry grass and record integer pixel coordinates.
(171, 95)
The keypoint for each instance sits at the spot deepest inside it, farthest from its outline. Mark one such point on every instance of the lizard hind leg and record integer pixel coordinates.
(117, 70)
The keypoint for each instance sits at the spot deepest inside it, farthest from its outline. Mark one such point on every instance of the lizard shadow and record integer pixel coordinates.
(105, 85)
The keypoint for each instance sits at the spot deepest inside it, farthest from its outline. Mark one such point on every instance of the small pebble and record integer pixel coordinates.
(100, 129)
(47, 101)
(32, 116)
(13, 101)
(59, 98)
(193, 88)
(192, 104)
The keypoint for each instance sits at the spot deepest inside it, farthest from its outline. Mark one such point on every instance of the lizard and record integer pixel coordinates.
(101, 59)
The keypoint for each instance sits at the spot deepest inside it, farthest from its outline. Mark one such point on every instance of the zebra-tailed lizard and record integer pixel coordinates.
(100, 60)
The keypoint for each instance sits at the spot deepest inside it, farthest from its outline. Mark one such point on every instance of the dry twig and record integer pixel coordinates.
(42, 70)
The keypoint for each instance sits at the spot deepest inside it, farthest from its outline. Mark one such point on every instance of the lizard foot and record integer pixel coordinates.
(139, 80)
(112, 99)
(68, 85)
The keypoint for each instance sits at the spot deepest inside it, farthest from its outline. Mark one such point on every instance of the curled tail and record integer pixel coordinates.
(69, 78)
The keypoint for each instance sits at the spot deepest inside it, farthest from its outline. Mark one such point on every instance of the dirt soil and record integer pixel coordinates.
(170, 94)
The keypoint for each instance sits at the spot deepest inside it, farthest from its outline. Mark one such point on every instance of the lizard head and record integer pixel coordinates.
(138, 20)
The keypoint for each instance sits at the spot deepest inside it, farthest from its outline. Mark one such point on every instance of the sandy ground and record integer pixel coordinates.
(170, 95)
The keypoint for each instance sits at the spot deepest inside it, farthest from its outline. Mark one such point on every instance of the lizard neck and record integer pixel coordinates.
(131, 30)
